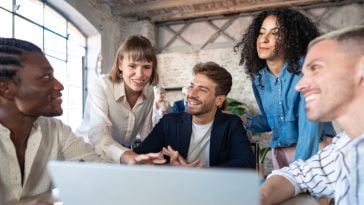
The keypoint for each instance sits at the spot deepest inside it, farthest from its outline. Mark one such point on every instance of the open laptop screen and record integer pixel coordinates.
(98, 184)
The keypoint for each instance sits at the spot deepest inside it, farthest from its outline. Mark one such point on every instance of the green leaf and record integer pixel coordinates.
(236, 107)
(262, 154)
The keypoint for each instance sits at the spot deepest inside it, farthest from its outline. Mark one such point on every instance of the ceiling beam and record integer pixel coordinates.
(156, 5)
(245, 7)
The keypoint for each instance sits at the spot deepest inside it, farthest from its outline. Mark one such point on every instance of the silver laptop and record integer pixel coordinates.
(98, 184)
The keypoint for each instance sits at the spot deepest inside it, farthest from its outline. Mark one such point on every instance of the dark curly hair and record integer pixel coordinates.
(294, 33)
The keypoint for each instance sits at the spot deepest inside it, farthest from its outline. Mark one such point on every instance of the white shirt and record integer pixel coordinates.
(49, 139)
(199, 148)
(110, 122)
(337, 171)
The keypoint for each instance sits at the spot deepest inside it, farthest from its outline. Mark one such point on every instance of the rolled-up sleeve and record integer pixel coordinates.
(316, 175)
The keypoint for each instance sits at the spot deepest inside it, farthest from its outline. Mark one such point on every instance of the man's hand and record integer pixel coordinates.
(130, 157)
(177, 160)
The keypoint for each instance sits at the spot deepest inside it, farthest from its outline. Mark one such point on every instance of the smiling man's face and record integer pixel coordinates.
(36, 91)
(328, 82)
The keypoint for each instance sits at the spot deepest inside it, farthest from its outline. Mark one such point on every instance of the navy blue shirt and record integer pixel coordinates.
(283, 112)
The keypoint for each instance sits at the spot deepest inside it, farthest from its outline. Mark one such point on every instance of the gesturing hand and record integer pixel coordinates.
(130, 157)
(177, 160)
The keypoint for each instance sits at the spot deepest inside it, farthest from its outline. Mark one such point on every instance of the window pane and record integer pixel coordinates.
(23, 28)
(75, 36)
(6, 24)
(54, 45)
(75, 50)
(75, 71)
(54, 21)
(32, 9)
(6, 4)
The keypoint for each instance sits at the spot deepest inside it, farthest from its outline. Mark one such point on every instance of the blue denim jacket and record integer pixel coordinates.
(283, 112)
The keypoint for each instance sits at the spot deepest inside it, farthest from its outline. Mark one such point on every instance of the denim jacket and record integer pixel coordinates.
(283, 112)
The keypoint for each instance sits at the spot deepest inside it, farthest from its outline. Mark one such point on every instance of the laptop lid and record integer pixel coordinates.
(98, 184)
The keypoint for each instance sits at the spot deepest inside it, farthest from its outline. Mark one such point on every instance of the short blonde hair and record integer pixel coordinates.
(352, 38)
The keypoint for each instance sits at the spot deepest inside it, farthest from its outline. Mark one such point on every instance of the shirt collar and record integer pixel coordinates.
(119, 91)
(5, 130)
(269, 77)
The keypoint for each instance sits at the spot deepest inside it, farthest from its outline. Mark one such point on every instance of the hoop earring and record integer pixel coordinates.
(121, 75)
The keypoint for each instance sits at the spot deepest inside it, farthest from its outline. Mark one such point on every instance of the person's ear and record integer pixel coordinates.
(220, 100)
(360, 68)
(5, 89)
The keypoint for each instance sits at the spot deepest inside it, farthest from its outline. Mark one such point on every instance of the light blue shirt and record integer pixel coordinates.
(283, 112)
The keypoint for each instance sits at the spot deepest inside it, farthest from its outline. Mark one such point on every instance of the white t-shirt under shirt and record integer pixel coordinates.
(199, 148)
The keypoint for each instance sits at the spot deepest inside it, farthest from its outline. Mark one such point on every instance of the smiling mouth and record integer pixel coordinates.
(310, 99)
(139, 82)
(193, 102)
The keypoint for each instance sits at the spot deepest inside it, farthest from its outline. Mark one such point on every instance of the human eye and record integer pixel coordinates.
(275, 32)
(204, 90)
(314, 68)
(132, 65)
(147, 67)
(47, 75)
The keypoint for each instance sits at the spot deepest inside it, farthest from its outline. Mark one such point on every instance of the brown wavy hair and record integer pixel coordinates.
(216, 73)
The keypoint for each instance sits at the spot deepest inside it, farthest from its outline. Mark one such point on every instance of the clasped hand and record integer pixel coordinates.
(130, 157)
(177, 160)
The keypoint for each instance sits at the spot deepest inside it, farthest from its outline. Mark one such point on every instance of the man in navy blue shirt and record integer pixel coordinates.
(203, 136)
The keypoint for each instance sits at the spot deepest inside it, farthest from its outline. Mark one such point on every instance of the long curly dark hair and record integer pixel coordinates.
(294, 33)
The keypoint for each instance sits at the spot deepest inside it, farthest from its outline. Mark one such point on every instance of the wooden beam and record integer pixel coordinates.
(245, 7)
(156, 5)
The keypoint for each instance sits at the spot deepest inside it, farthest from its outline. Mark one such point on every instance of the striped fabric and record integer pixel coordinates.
(337, 172)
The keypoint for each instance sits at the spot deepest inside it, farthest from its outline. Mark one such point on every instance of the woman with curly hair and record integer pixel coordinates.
(272, 50)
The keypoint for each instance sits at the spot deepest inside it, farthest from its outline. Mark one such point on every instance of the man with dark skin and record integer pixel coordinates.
(29, 137)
